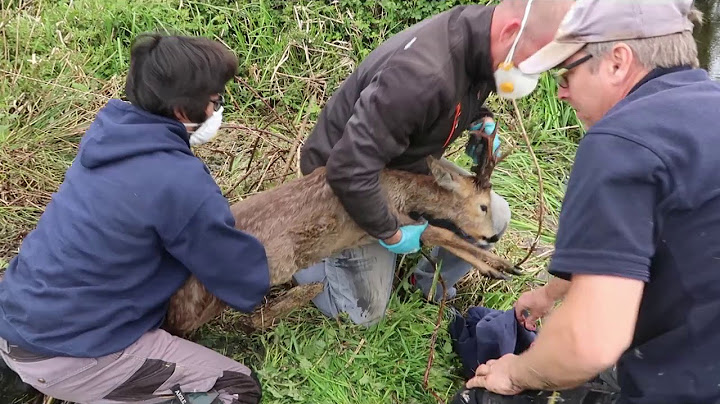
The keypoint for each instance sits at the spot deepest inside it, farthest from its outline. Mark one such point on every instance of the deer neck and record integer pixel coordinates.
(421, 194)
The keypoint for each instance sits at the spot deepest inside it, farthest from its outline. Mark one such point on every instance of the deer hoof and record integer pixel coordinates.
(516, 270)
(495, 274)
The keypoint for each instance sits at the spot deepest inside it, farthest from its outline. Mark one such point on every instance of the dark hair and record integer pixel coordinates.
(170, 71)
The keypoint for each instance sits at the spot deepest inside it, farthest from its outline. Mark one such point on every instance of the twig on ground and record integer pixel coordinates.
(259, 183)
(433, 338)
(564, 128)
(541, 197)
(357, 350)
(251, 129)
(274, 112)
(295, 148)
(240, 181)
(247, 169)
(252, 154)
(219, 151)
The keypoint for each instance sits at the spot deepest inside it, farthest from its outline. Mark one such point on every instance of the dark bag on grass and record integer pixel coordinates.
(485, 334)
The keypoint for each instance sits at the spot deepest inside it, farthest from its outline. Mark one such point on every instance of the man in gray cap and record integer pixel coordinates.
(637, 260)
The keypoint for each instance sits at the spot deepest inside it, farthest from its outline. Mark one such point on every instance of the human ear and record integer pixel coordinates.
(508, 33)
(180, 115)
(620, 61)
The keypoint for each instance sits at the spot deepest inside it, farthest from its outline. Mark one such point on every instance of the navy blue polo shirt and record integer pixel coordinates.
(643, 202)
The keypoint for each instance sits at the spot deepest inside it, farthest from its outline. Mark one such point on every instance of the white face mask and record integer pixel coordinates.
(510, 81)
(207, 130)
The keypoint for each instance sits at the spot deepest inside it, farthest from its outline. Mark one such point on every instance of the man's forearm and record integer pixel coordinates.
(569, 350)
(557, 360)
(557, 288)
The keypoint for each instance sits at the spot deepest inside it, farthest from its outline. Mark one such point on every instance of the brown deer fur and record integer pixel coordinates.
(301, 222)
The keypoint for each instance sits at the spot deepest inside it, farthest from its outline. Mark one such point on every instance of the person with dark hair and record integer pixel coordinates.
(82, 304)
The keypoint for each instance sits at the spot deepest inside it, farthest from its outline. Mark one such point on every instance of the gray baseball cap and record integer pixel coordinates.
(590, 21)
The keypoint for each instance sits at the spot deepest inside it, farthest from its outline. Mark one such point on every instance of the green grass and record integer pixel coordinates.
(61, 60)
(315, 359)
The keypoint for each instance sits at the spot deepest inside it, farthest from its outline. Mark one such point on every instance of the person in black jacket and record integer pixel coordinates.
(412, 97)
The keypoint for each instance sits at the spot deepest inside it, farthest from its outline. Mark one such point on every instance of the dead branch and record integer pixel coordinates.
(247, 169)
(232, 125)
(433, 338)
(295, 147)
(274, 112)
(259, 182)
(541, 197)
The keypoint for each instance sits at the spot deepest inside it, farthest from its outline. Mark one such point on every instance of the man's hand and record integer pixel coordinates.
(536, 304)
(488, 126)
(495, 376)
(408, 240)
(531, 306)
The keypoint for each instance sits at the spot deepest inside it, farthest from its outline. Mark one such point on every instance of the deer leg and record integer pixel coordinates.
(191, 307)
(283, 305)
(434, 235)
(486, 262)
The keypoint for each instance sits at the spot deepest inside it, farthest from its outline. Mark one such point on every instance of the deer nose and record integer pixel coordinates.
(493, 239)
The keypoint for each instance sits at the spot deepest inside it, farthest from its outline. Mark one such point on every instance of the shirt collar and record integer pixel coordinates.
(657, 72)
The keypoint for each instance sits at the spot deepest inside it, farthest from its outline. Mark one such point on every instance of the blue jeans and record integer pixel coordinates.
(358, 281)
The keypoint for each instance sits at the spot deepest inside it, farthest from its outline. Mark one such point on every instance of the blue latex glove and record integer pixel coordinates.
(489, 128)
(410, 241)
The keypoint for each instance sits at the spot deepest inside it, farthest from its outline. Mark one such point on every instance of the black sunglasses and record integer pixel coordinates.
(219, 102)
(559, 75)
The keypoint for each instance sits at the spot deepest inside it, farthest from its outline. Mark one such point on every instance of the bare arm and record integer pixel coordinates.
(537, 303)
(584, 336)
(557, 288)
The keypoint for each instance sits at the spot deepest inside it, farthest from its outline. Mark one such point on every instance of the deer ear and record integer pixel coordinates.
(444, 176)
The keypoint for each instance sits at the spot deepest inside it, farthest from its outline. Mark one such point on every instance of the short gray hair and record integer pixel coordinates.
(663, 51)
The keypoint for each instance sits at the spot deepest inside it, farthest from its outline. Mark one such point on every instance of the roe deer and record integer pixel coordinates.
(301, 222)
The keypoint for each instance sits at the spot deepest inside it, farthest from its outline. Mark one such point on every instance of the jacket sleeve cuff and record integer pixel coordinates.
(386, 234)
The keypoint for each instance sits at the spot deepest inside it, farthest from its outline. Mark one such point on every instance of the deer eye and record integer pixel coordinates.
(483, 208)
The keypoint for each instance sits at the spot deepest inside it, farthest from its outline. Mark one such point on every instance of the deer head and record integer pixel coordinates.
(464, 200)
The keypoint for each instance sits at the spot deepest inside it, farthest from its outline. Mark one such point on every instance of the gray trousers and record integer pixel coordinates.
(358, 281)
(144, 372)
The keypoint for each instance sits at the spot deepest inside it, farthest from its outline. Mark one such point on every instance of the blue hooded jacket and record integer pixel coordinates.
(136, 215)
